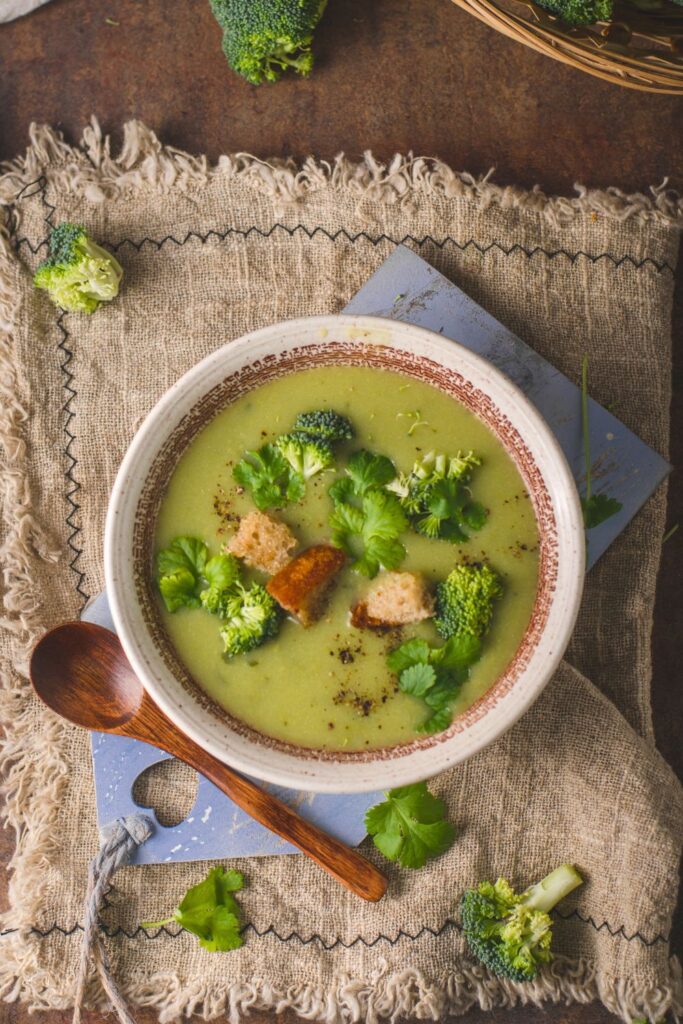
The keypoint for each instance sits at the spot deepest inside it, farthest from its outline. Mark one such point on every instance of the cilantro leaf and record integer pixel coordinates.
(409, 826)
(269, 477)
(183, 553)
(417, 679)
(598, 508)
(412, 652)
(221, 572)
(435, 674)
(368, 531)
(179, 572)
(210, 911)
(179, 590)
(367, 470)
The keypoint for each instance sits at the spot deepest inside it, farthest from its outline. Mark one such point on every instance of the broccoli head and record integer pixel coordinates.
(306, 455)
(251, 616)
(262, 38)
(510, 933)
(464, 601)
(326, 424)
(579, 12)
(78, 274)
(436, 496)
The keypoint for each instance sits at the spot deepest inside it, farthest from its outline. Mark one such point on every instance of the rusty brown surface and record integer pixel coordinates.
(392, 75)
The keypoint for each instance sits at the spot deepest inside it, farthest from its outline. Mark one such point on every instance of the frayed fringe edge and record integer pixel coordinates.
(381, 997)
(90, 170)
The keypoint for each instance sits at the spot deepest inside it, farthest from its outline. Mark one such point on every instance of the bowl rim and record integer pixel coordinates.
(309, 772)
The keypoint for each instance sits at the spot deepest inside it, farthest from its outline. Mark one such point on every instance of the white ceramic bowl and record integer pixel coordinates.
(283, 348)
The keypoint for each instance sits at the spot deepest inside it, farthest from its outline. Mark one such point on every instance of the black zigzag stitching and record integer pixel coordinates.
(73, 486)
(483, 250)
(293, 936)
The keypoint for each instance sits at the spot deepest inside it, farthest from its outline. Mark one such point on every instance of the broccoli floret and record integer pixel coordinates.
(324, 423)
(510, 933)
(579, 12)
(251, 616)
(78, 274)
(262, 38)
(436, 496)
(464, 601)
(306, 455)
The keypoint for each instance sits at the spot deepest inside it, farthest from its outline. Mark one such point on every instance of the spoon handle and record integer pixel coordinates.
(340, 861)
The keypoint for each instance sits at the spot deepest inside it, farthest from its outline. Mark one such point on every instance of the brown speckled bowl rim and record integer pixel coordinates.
(343, 353)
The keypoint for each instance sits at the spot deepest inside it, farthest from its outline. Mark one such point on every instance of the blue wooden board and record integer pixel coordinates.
(404, 288)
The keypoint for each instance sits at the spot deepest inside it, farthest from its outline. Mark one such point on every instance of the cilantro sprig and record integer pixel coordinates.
(188, 578)
(270, 478)
(435, 674)
(409, 826)
(367, 520)
(210, 911)
(596, 507)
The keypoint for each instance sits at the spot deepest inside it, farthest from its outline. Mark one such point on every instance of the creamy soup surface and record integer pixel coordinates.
(328, 686)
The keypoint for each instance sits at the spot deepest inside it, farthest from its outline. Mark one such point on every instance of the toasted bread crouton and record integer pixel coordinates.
(263, 542)
(396, 599)
(300, 587)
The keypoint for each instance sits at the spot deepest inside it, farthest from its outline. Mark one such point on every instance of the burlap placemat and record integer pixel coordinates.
(211, 252)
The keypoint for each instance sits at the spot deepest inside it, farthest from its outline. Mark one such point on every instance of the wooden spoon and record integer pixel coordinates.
(80, 671)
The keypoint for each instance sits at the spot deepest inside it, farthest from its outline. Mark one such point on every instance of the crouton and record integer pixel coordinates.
(302, 585)
(263, 542)
(396, 599)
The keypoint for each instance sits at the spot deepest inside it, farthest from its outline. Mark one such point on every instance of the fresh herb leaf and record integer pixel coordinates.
(417, 679)
(410, 826)
(596, 507)
(367, 470)
(179, 572)
(222, 573)
(435, 674)
(413, 652)
(179, 590)
(210, 911)
(269, 477)
(369, 532)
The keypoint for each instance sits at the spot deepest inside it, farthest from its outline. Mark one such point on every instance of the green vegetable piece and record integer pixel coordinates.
(511, 933)
(375, 527)
(262, 38)
(306, 455)
(465, 600)
(251, 616)
(580, 12)
(269, 477)
(435, 674)
(326, 424)
(179, 572)
(221, 572)
(417, 679)
(596, 507)
(210, 911)
(410, 826)
(78, 274)
(435, 494)
(368, 470)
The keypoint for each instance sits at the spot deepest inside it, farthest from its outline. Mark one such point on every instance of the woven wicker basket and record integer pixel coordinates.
(638, 49)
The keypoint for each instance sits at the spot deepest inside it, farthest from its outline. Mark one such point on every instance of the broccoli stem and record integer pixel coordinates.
(547, 893)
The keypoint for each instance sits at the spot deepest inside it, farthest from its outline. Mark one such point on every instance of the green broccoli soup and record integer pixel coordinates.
(346, 558)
